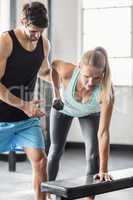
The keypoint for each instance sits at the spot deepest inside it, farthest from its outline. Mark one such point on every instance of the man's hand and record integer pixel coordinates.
(32, 110)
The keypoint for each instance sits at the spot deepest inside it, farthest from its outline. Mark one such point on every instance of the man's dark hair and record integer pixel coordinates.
(36, 13)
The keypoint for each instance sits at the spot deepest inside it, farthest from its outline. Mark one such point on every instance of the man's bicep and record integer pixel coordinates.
(5, 51)
(2, 67)
(46, 46)
(44, 68)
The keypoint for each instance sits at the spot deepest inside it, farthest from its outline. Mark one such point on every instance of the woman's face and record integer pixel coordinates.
(90, 76)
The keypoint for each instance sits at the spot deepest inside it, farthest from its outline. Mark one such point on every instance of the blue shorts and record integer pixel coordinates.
(22, 134)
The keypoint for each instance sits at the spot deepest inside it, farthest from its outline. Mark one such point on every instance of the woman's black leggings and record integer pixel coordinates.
(59, 127)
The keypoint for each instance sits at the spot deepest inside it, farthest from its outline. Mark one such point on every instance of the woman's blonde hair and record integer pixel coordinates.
(99, 59)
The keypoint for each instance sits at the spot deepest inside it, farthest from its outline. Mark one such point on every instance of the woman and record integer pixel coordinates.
(86, 92)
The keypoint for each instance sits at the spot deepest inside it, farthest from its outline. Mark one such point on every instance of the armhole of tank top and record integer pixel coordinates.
(72, 79)
(69, 83)
(13, 37)
(10, 33)
(74, 74)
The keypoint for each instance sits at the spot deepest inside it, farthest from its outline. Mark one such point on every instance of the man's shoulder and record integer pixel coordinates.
(46, 42)
(66, 68)
(5, 38)
(5, 42)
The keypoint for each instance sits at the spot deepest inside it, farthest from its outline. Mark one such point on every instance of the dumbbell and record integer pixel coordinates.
(58, 104)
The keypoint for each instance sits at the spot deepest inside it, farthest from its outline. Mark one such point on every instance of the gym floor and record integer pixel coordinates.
(17, 185)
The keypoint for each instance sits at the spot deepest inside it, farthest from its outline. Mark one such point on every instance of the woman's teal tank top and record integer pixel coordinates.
(74, 108)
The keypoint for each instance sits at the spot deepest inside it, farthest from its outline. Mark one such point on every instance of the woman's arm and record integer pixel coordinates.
(60, 72)
(56, 68)
(104, 136)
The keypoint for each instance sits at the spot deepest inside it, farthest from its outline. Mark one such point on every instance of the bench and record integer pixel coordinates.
(75, 188)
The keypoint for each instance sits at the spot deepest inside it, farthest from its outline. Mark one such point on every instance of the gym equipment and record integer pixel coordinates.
(79, 187)
(58, 104)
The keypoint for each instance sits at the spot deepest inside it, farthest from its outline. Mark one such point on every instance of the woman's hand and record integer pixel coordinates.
(103, 176)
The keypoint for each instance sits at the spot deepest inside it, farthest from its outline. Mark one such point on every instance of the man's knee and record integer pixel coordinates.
(40, 164)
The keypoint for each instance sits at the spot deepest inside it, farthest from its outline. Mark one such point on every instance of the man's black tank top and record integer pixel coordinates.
(20, 77)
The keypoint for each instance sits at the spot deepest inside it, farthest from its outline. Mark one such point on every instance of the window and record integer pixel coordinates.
(4, 15)
(109, 24)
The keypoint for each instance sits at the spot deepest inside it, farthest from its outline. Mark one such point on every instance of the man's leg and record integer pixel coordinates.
(28, 134)
(38, 161)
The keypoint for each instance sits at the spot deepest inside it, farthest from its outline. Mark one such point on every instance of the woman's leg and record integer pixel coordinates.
(89, 126)
(59, 127)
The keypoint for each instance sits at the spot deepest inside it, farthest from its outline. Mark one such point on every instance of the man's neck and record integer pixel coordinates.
(24, 36)
(24, 40)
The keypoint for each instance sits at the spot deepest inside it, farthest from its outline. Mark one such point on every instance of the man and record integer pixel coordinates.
(24, 53)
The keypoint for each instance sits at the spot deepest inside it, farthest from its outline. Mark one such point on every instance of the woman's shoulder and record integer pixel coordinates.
(63, 67)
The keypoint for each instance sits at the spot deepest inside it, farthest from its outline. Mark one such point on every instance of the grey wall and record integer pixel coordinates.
(4, 15)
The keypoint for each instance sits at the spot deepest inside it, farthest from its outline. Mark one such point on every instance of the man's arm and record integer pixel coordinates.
(44, 72)
(6, 96)
(50, 74)
(5, 51)
(104, 137)
(53, 75)
(47, 72)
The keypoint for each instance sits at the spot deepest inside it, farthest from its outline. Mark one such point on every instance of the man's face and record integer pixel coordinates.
(33, 32)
